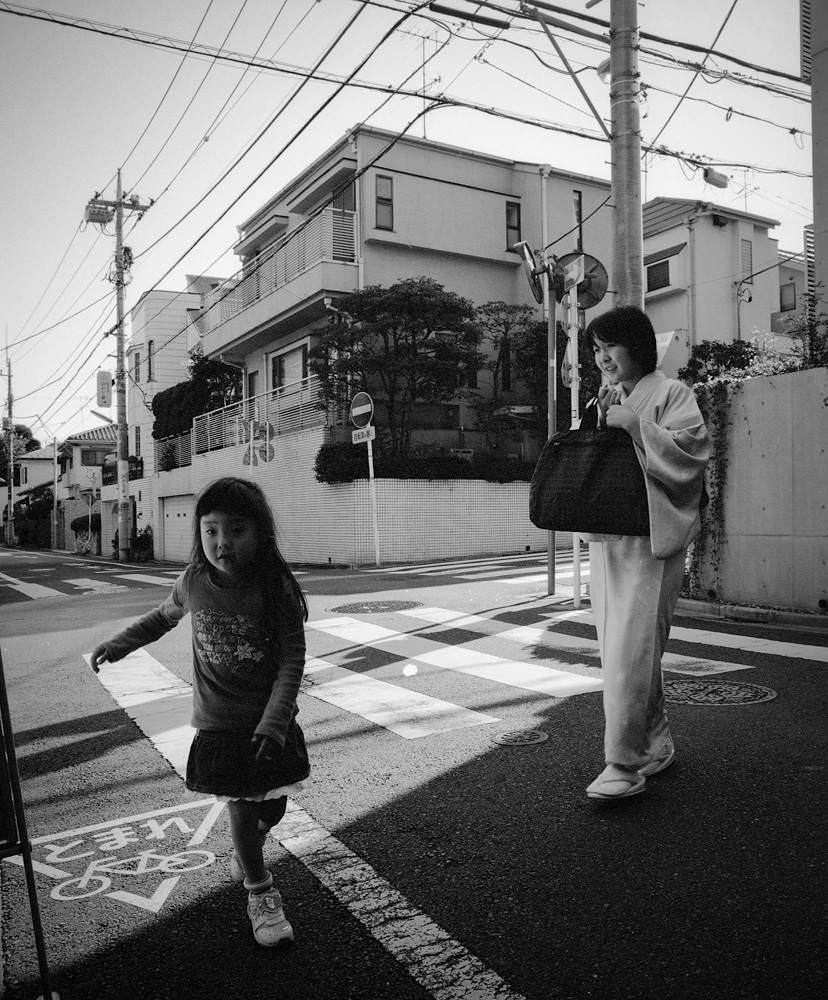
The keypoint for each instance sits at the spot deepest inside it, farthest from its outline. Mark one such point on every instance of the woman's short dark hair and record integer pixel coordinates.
(630, 326)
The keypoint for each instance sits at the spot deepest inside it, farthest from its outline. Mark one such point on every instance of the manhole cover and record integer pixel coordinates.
(716, 693)
(376, 607)
(520, 738)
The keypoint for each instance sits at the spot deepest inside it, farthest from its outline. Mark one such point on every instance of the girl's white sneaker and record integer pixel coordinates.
(270, 925)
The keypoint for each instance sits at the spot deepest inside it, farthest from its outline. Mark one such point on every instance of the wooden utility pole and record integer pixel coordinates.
(628, 238)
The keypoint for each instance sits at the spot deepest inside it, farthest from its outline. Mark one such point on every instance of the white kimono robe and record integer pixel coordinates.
(635, 581)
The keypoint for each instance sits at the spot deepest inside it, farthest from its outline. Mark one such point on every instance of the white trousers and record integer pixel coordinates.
(633, 597)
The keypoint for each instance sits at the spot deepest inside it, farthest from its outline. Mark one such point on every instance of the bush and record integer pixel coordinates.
(340, 462)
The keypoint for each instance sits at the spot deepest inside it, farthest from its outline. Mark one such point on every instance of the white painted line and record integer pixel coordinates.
(99, 586)
(533, 640)
(729, 640)
(33, 590)
(441, 965)
(157, 700)
(163, 581)
(546, 679)
(407, 713)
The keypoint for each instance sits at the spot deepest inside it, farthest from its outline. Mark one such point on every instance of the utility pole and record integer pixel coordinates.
(628, 238)
(10, 463)
(101, 211)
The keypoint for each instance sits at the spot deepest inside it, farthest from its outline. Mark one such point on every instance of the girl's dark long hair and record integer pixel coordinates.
(232, 495)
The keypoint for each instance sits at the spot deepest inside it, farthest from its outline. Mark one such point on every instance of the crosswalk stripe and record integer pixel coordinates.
(553, 678)
(531, 637)
(729, 640)
(407, 713)
(99, 586)
(32, 590)
(164, 581)
(157, 700)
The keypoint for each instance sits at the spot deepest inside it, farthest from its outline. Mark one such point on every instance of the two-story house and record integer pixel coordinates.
(711, 273)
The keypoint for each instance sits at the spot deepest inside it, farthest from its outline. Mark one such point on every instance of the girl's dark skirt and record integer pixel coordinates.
(224, 764)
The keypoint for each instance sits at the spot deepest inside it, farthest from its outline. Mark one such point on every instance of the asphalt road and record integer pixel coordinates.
(425, 861)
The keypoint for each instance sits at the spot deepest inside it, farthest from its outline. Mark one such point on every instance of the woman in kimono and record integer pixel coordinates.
(635, 581)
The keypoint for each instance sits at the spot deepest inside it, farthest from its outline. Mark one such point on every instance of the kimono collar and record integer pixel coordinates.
(645, 387)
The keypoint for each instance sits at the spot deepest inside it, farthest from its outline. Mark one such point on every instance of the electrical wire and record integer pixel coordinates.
(696, 74)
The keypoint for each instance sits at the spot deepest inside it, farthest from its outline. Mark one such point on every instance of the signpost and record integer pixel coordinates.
(362, 411)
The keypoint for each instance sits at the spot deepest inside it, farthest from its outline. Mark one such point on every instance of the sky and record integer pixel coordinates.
(209, 141)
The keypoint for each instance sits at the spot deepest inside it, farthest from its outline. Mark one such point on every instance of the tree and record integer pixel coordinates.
(212, 384)
(809, 330)
(502, 327)
(408, 344)
(22, 444)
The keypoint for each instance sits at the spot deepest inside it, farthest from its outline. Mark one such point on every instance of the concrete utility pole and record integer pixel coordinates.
(628, 238)
(98, 210)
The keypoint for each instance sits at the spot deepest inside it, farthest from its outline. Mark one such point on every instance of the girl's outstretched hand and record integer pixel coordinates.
(100, 654)
(266, 749)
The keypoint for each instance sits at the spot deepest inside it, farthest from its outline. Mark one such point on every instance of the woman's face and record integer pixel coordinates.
(229, 542)
(617, 362)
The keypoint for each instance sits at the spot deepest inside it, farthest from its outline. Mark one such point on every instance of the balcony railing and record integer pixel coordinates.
(255, 422)
(331, 235)
(174, 452)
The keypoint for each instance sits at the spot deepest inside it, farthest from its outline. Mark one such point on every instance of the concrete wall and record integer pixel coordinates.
(776, 497)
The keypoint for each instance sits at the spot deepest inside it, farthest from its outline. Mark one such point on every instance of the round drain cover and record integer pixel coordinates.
(376, 607)
(520, 738)
(696, 692)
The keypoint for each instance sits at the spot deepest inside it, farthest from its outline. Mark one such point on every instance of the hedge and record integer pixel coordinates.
(340, 462)
(82, 523)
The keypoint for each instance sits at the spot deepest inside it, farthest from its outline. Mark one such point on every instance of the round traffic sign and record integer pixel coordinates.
(362, 409)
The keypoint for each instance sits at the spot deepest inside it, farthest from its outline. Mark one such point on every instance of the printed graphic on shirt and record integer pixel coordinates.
(228, 641)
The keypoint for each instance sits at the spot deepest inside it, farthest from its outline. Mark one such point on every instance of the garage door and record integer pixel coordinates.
(178, 527)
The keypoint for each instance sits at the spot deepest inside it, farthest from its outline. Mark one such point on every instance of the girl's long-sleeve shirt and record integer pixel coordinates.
(673, 448)
(245, 678)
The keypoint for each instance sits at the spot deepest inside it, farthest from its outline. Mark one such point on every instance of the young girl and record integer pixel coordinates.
(248, 656)
(635, 581)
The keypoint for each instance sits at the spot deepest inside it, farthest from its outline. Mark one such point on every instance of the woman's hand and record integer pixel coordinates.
(266, 749)
(100, 654)
(612, 413)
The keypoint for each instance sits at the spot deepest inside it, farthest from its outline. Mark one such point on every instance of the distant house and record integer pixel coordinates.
(710, 273)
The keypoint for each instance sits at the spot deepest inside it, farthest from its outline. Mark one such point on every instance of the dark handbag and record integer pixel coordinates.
(590, 481)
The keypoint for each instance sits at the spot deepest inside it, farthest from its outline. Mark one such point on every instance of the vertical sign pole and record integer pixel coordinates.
(372, 488)
(551, 306)
(572, 324)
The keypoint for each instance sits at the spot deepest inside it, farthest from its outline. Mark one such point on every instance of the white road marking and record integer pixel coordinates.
(533, 640)
(99, 586)
(33, 590)
(729, 640)
(558, 683)
(163, 581)
(407, 713)
(440, 964)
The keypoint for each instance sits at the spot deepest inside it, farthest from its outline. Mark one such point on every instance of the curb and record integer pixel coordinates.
(764, 616)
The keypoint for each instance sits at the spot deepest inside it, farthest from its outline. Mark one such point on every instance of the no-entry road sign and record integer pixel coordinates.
(362, 409)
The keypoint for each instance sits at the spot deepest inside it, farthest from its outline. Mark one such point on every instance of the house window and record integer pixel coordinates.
(385, 203)
(747, 261)
(345, 201)
(137, 451)
(252, 384)
(137, 367)
(290, 367)
(658, 275)
(787, 297)
(512, 224)
(578, 203)
(150, 356)
(93, 457)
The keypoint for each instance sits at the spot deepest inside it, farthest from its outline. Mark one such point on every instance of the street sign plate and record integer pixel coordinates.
(363, 434)
(362, 409)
